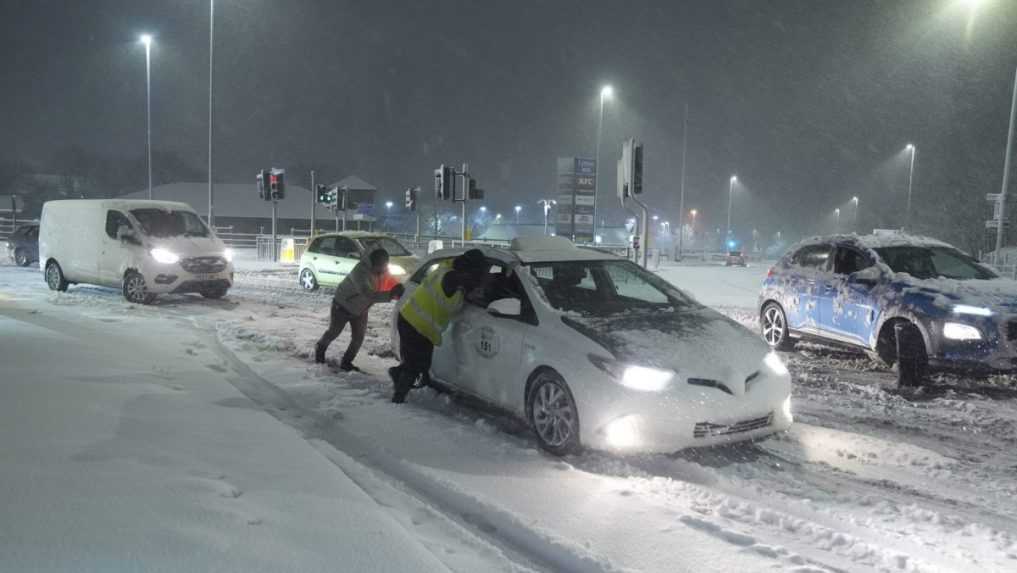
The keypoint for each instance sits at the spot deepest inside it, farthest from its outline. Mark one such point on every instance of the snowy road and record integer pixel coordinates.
(869, 479)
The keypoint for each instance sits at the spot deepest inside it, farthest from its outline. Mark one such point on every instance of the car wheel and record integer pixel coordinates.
(553, 414)
(773, 327)
(214, 292)
(21, 258)
(55, 277)
(912, 359)
(135, 289)
(307, 280)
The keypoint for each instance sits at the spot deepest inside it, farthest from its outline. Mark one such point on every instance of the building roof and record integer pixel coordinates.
(239, 200)
(354, 183)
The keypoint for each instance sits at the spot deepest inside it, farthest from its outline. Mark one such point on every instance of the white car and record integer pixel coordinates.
(592, 350)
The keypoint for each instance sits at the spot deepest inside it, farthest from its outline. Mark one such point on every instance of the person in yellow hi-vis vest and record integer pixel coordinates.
(427, 313)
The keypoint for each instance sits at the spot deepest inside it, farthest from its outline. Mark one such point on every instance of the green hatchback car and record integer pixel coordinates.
(331, 256)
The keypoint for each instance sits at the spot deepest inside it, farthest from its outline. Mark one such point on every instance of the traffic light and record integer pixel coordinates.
(475, 192)
(263, 178)
(444, 182)
(277, 182)
(323, 195)
(637, 169)
(411, 199)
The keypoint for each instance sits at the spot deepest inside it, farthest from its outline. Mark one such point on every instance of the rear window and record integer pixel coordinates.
(812, 257)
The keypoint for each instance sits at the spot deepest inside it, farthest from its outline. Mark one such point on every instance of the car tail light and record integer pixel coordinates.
(769, 273)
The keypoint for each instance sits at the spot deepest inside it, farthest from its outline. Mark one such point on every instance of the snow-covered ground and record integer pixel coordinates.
(195, 435)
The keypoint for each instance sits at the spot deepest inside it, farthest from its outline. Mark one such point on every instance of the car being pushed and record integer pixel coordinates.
(904, 299)
(23, 245)
(592, 350)
(331, 256)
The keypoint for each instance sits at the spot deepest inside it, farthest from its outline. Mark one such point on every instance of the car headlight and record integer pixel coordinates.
(646, 379)
(165, 257)
(958, 331)
(228, 255)
(622, 433)
(775, 364)
(972, 310)
(396, 270)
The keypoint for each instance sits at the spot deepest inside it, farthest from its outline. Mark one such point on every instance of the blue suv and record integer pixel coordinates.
(912, 300)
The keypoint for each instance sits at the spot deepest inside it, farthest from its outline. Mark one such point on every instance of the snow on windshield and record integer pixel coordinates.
(603, 287)
(170, 223)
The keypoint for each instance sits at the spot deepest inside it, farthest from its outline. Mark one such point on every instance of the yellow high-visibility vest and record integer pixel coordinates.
(429, 310)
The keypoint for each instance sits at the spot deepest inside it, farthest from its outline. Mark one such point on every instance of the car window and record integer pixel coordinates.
(170, 223)
(345, 247)
(931, 262)
(849, 261)
(627, 284)
(324, 246)
(392, 246)
(427, 269)
(617, 286)
(114, 220)
(812, 257)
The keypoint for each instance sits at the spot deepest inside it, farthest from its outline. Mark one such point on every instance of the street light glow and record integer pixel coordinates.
(694, 212)
(483, 209)
(606, 92)
(388, 204)
(146, 39)
(519, 208)
(655, 217)
(909, 147)
(855, 200)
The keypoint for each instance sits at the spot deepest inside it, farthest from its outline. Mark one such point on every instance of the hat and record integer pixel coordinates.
(471, 260)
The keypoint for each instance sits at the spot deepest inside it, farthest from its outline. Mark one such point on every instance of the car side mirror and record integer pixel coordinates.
(867, 277)
(505, 307)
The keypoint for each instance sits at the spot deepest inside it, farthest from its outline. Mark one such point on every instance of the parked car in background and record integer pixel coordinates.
(882, 293)
(735, 259)
(23, 245)
(142, 247)
(593, 350)
(329, 257)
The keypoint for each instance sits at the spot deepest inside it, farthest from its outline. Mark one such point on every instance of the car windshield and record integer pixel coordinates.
(170, 223)
(933, 262)
(394, 248)
(604, 287)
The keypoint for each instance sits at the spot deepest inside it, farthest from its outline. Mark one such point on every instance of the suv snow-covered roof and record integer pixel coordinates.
(873, 241)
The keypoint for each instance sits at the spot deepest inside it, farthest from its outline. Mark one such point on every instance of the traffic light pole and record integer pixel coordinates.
(466, 196)
(314, 201)
(275, 251)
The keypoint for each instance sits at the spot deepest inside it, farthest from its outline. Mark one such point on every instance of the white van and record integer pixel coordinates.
(142, 247)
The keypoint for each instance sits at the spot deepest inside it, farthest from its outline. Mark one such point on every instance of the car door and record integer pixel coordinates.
(325, 262)
(851, 306)
(347, 255)
(488, 348)
(112, 249)
(807, 274)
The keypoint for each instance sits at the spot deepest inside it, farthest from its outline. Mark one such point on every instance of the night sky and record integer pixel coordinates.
(809, 102)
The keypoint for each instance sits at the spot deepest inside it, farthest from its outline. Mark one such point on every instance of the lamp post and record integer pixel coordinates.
(911, 175)
(730, 197)
(518, 208)
(836, 224)
(211, 59)
(547, 203)
(146, 39)
(854, 224)
(606, 93)
(1006, 171)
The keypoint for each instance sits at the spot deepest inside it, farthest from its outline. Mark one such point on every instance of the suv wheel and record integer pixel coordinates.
(55, 277)
(773, 327)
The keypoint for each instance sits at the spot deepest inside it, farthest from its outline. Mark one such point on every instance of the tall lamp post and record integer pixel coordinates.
(518, 208)
(388, 212)
(606, 93)
(911, 176)
(854, 224)
(836, 223)
(1006, 170)
(730, 196)
(547, 203)
(146, 39)
(211, 58)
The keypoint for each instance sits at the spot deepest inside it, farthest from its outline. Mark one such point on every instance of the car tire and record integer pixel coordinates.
(21, 258)
(773, 327)
(553, 414)
(55, 277)
(135, 290)
(912, 358)
(308, 281)
(214, 293)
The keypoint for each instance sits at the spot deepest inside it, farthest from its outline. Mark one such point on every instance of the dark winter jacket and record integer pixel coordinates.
(361, 288)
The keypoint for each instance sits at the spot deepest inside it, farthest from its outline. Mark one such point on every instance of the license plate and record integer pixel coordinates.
(204, 276)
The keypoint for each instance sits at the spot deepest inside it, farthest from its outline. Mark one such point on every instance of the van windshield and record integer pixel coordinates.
(170, 223)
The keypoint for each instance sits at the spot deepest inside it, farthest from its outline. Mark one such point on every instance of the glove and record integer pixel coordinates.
(397, 291)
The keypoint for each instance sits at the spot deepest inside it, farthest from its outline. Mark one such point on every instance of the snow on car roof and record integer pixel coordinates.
(533, 250)
(876, 240)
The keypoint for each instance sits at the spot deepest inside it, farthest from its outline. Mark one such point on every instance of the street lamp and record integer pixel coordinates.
(606, 93)
(146, 39)
(211, 59)
(911, 175)
(497, 217)
(655, 217)
(518, 208)
(836, 224)
(730, 196)
(854, 224)
(547, 203)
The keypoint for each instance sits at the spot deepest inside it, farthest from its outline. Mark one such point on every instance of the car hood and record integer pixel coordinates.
(189, 246)
(696, 343)
(998, 294)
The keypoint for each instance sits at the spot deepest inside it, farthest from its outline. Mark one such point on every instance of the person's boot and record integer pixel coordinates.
(349, 367)
(319, 354)
(403, 384)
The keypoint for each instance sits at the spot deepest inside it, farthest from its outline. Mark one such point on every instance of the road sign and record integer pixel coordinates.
(992, 197)
(994, 224)
(577, 182)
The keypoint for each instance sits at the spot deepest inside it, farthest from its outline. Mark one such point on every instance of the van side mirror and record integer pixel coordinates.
(127, 235)
(510, 307)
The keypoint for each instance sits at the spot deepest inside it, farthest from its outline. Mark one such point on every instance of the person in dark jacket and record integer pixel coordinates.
(353, 299)
(424, 317)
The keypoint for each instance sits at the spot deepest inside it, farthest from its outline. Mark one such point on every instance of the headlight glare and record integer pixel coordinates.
(785, 408)
(958, 331)
(396, 270)
(646, 379)
(775, 364)
(228, 255)
(972, 310)
(622, 433)
(164, 256)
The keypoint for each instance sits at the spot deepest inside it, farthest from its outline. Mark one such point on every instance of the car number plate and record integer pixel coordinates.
(204, 276)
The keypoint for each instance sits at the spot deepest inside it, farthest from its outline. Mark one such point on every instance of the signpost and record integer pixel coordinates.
(577, 183)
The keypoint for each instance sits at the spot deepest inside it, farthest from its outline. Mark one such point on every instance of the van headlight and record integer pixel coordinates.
(228, 255)
(396, 270)
(164, 256)
(775, 364)
(958, 331)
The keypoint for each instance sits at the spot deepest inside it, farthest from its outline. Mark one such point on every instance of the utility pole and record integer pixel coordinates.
(911, 176)
(1006, 172)
(681, 200)
(314, 201)
(466, 195)
(211, 59)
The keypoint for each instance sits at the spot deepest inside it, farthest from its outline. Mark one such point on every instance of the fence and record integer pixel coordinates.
(1006, 265)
